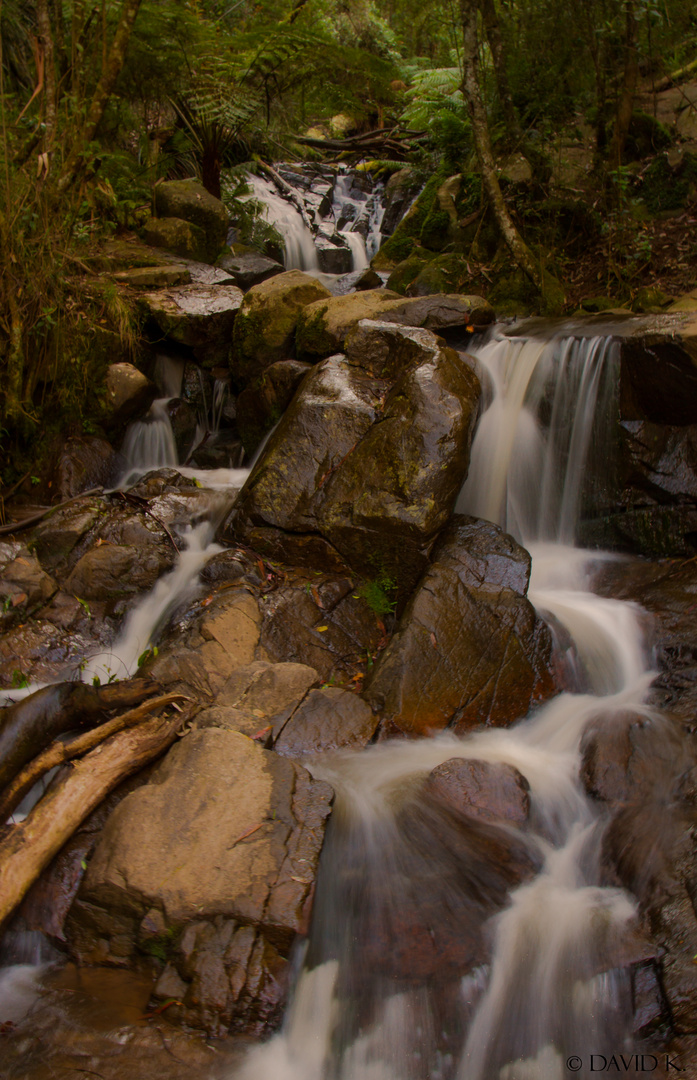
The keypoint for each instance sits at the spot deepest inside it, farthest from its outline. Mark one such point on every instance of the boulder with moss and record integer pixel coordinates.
(189, 201)
(174, 234)
(266, 322)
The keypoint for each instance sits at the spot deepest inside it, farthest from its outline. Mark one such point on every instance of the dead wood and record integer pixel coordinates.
(26, 849)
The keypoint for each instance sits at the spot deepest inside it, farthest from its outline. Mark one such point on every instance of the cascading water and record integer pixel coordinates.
(149, 443)
(298, 241)
(545, 978)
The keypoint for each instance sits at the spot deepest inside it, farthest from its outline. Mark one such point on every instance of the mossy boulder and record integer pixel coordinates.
(515, 294)
(266, 322)
(650, 300)
(406, 237)
(407, 271)
(444, 274)
(177, 235)
(189, 200)
(323, 325)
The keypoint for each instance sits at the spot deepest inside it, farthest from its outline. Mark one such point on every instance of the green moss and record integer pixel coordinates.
(444, 274)
(405, 272)
(311, 337)
(435, 232)
(404, 239)
(379, 594)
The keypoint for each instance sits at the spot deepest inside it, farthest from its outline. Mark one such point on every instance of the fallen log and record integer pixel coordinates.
(30, 725)
(26, 849)
(60, 752)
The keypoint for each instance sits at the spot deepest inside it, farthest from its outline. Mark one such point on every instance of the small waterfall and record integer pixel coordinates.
(298, 241)
(121, 660)
(149, 443)
(527, 479)
(551, 983)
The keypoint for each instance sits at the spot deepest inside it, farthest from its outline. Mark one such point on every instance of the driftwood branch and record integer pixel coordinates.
(16, 526)
(60, 752)
(26, 849)
(30, 725)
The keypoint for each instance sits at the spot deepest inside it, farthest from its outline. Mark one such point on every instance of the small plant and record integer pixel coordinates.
(19, 680)
(379, 594)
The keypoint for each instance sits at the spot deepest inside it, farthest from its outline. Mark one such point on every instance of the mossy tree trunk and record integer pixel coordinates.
(482, 142)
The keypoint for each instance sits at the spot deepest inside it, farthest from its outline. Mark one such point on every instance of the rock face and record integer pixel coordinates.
(265, 326)
(469, 649)
(262, 404)
(189, 200)
(211, 863)
(369, 458)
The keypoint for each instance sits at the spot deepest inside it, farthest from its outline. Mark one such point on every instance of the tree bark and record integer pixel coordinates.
(105, 87)
(26, 849)
(482, 142)
(631, 74)
(43, 20)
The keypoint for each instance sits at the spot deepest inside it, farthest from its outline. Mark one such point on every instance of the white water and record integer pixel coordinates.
(121, 660)
(298, 241)
(551, 988)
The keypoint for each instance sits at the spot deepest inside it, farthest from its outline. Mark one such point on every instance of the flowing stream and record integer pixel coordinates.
(544, 978)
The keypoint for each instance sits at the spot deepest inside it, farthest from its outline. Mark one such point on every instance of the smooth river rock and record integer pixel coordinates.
(469, 648)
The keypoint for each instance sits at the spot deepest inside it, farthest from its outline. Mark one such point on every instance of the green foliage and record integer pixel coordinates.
(379, 594)
(664, 188)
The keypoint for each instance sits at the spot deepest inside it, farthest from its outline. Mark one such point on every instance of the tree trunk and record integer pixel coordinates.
(625, 105)
(482, 142)
(498, 55)
(26, 849)
(105, 87)
(43, 20)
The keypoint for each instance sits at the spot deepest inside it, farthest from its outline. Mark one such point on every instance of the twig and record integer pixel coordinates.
(142, 504)
(16, 526)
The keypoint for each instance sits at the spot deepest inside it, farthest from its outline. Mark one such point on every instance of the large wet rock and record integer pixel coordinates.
(335, 408)
(392, 495)
(323, 328)
(328, 719)
(250, 269)
(469, 649)
(189, 200)
(181, 237)
(644, 769)
(481, 789)
(200, 316)
(262, 404)
(128, 394)
(84, 462)
(366, 464)
(213, 862)
(265, 326)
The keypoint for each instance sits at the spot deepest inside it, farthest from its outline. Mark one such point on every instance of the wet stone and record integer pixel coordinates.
(490, 792)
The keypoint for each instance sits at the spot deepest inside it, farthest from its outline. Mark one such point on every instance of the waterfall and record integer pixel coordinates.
(550, 983)
(298, 241)
(149, 443)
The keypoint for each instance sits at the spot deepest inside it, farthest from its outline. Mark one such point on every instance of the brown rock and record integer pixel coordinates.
(328, 719)
(85, 462)
(490, 792)
(223, 844)
(128, 393)
(262, 404)
(469, 648)
(113, 570)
